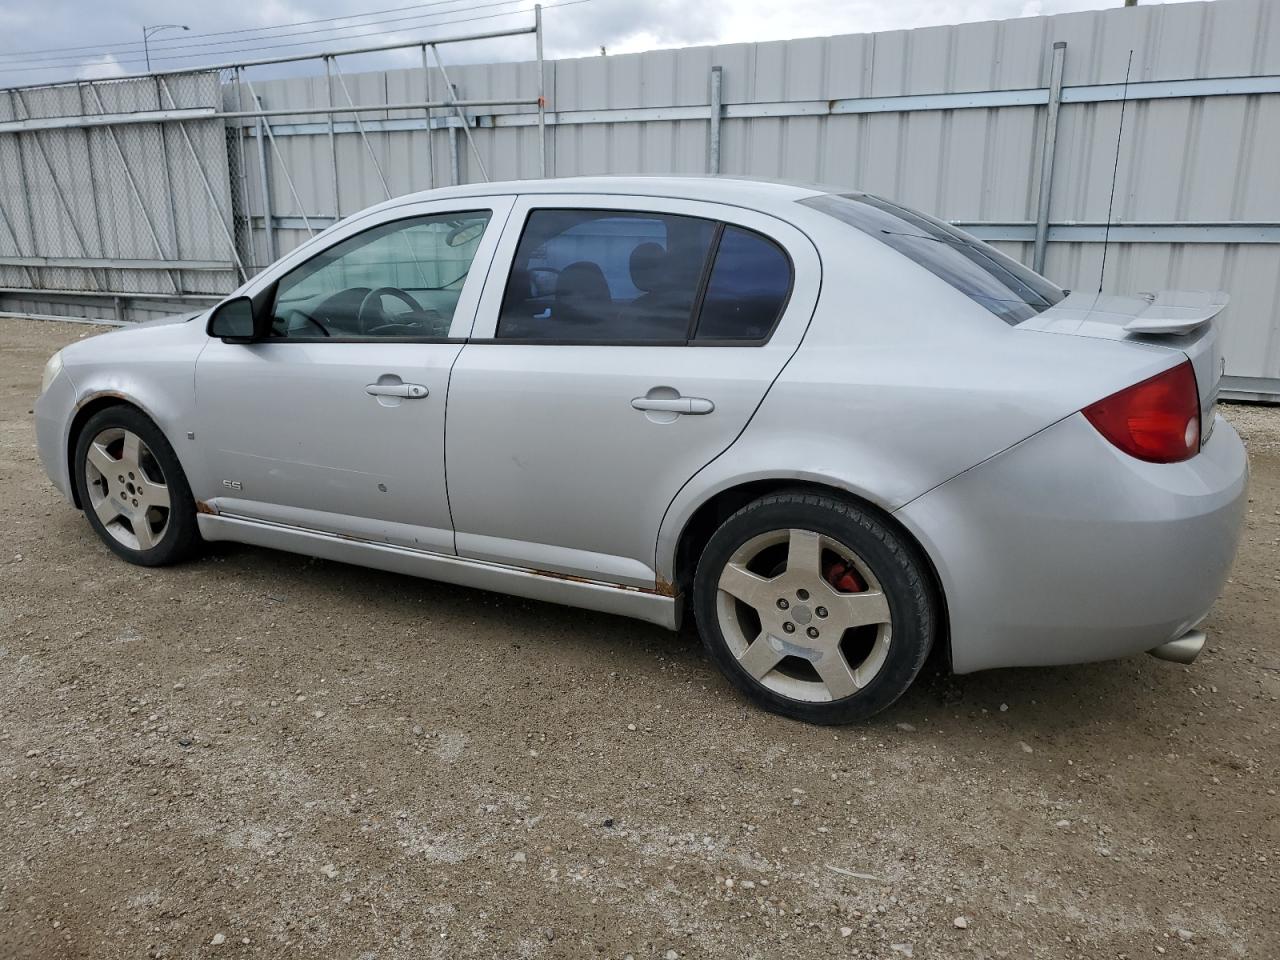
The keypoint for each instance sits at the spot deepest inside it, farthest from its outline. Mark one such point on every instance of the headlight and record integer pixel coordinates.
(51, 370)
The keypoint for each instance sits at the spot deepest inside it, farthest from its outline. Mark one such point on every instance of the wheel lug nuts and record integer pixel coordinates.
(782, 603)
(813, 632)
(821, 611)
(802, 595)
(789, 627)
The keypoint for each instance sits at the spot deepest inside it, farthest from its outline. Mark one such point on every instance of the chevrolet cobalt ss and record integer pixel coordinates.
(838, 431)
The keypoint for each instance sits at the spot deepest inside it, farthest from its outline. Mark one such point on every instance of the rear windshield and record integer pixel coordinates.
(979, 271)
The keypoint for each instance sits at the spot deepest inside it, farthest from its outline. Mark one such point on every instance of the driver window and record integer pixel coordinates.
(397, 280)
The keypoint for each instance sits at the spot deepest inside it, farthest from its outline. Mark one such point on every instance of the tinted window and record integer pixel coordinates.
(979, 271)
(749, 285)
(605, 276)
(400, 279)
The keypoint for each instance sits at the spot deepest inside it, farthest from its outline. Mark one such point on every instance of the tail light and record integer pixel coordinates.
(1157, 420)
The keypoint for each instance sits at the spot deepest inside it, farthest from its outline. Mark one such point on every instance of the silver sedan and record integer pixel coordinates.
(838, 432)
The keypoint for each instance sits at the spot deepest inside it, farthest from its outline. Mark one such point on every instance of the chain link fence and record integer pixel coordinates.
(117, 187)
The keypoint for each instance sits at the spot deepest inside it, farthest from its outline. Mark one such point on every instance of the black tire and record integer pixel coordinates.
(892, 559)
(181, 536)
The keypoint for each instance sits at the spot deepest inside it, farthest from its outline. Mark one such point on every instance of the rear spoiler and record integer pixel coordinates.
(1177, 311)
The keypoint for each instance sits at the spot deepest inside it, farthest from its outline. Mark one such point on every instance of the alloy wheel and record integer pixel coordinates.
(804, 615)
(127, 488)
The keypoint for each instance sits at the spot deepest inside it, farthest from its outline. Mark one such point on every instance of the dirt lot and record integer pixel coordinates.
(262, 755)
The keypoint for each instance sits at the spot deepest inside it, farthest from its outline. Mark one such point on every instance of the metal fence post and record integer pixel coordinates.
(1046, 156)
(542, 100)
(717, 108)
(455, 154)
(264, 169)
(333, 142)
(284, 167)
(431, 156)
(466, 125)
(241, 135)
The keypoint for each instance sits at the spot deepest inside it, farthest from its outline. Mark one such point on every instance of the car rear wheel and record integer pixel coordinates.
(133, 490)
(815, 608)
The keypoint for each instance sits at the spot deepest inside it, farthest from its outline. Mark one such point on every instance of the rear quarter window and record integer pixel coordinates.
(978, 270)
(748, 288)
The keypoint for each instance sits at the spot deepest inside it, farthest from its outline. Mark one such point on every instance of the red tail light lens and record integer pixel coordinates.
(1157, 420)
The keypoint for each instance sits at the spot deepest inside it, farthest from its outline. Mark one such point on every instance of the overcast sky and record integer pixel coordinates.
(59, 39)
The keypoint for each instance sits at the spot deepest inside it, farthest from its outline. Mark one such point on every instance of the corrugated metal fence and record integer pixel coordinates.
(953, 120)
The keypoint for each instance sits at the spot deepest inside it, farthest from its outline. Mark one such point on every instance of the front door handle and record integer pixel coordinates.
(694, 406)
(405, 391)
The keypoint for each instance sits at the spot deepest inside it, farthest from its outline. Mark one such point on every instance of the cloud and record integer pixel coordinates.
(102, 68)
(105, 37)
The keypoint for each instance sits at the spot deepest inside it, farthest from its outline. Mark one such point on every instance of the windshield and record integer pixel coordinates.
(979, 271)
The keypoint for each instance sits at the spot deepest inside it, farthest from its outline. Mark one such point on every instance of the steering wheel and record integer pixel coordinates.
(374, 298)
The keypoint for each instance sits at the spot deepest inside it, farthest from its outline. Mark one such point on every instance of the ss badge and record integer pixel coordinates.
(233, 484)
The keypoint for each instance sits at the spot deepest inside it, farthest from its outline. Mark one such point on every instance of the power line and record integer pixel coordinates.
(66, 61)
(137, 44)
(375, 33)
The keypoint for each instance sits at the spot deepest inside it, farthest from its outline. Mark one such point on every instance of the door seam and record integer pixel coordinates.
(448, 385)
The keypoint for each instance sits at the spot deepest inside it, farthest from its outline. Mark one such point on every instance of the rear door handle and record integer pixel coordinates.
(695, 406)
(406, 391)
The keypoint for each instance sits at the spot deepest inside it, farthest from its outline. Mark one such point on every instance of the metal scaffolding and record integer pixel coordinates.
(139, 187)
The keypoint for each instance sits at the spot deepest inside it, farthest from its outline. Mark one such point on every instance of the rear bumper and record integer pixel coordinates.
(1062, 549)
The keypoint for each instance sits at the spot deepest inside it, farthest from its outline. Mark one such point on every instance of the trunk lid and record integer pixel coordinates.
(1179, 320)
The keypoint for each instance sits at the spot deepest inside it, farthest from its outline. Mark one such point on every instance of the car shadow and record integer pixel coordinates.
(1035, 704)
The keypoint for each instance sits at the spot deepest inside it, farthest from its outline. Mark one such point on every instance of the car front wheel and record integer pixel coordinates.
(815, 608)
(133, 490)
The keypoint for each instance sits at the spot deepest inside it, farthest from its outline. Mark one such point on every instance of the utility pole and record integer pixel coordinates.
(148, 32)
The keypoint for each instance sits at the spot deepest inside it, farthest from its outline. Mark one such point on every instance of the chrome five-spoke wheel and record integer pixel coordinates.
(127, 488)
(804, 615)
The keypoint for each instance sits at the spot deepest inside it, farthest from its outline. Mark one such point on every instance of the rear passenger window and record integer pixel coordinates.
(605, 276)
(749, 286)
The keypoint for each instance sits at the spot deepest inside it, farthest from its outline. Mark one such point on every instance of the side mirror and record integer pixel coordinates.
(232, 321)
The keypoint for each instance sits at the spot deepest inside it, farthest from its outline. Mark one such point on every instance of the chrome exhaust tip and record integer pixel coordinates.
(1183, 650)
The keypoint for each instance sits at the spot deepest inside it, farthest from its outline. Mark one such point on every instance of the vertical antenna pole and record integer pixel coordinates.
(1106, 237)
(1047, 155)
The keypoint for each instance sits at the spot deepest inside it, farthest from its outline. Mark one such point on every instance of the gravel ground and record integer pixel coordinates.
(257, 754)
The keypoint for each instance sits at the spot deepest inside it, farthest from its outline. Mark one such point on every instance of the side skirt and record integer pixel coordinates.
(626, 601)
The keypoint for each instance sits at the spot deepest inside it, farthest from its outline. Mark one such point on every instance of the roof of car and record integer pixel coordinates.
(742, 191)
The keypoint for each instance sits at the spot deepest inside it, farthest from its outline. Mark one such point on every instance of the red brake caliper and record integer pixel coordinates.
(844, 578)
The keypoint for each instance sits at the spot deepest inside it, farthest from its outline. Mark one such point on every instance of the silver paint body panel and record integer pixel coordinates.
(1045, 563)
(527, 470)
(551, 466)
